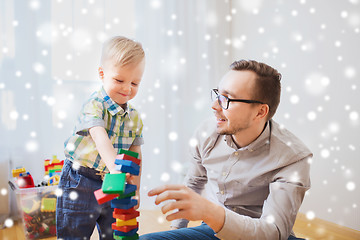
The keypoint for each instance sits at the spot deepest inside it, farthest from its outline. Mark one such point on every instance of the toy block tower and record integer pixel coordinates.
(120, 193)
(53, 167)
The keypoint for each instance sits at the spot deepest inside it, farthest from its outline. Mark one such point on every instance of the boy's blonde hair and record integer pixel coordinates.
(122, 51)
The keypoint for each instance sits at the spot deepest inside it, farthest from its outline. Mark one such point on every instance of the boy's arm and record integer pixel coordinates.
(104, 147)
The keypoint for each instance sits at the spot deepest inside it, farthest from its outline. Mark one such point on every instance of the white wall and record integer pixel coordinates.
(49, 51)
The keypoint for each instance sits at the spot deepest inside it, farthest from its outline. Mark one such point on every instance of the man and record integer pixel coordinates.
(256, 171)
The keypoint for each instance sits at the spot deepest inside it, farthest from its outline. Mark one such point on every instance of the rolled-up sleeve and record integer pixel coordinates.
(91, 116)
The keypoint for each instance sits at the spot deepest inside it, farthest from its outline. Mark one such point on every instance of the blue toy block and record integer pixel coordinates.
(127, 163)
(129, 191)
(132, 203)
(127, 166)
(121, 200)
(129, 188)
(130, 233)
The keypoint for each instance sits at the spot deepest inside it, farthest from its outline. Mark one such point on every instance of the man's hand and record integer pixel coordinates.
(190, 205)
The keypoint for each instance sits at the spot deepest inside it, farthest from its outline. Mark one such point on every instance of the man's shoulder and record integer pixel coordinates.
(286, 143)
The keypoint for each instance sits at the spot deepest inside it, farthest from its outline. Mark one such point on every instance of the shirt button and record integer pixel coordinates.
(222, 192)
(224, 173)
(236, 153)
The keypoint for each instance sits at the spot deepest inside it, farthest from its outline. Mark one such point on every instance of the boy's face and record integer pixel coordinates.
(121, 83)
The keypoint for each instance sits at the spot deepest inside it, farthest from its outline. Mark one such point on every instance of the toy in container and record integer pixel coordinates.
(37, 207)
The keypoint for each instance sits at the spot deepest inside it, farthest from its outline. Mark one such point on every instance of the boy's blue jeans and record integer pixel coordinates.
(202, 232)
(77, 211)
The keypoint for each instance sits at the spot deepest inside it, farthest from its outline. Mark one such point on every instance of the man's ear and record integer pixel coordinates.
(101, 73)
(263, 111)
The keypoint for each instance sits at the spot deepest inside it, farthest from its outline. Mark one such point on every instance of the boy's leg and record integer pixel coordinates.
(77, 209)
(105, 221)
(202, 232)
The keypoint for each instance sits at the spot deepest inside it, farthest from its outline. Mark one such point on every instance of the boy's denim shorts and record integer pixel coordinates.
(77, 211)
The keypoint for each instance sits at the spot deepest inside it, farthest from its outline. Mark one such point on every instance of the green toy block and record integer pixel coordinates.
(114, 183)
(128, 152)
(126, 196)
(133, 237)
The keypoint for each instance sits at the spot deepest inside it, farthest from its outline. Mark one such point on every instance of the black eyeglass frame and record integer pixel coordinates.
(216, 91)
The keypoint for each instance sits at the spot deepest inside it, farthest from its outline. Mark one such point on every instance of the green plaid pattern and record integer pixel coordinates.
(124, 128)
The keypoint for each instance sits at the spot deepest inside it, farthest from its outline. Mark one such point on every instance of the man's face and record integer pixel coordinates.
(239, 116)
(121, 83)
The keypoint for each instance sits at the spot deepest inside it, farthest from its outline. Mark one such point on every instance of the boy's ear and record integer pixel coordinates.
(101, 73)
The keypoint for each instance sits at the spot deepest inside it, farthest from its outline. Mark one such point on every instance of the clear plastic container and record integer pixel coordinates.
(38, 208)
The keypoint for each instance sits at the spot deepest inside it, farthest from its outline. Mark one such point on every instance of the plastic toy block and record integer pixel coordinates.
(128, 152)
(55, 159)
(127, 157)
(133, 237)
(124, 211)
(128, 167)
(125, 217)
(114, 183)
(129, 188)
(48, 205)
(124, 206)
(54, 164)
(16, 172)
(130, 222)
(54, 180)
(124, 228)
(127, 195)
(51, 174)
(121, 201)
(101, 197)
(129, 233)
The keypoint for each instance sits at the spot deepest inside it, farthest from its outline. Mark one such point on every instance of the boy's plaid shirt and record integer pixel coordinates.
(124, 128)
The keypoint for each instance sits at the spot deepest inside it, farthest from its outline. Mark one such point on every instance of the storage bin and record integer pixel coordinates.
(38, 208)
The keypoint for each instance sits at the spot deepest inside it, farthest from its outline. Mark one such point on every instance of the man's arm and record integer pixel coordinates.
(277, 219)
(190, 205)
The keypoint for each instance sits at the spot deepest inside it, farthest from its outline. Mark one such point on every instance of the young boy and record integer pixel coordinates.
(106, 123)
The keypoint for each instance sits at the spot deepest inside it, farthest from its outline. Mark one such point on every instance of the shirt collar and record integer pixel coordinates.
(112, 106)
(263, 139)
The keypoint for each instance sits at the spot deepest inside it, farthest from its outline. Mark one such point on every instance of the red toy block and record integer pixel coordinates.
(124, 211)
(52, 230)
(130, 158)
(126, 217)
(102, 197)
(124, 228)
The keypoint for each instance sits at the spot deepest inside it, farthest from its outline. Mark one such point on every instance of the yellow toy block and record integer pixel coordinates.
(55, 159)
(54, 180)
(48, 205)
(16, 172)
(131, 222)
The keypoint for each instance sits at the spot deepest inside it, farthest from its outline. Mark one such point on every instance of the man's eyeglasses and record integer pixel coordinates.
(224, 101)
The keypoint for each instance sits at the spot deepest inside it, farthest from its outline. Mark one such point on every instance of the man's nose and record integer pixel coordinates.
(215, 105)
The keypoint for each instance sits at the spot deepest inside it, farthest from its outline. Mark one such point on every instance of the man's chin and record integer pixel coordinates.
(221, 131)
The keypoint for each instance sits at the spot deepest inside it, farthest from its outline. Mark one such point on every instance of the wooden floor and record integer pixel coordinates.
(154, 221)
